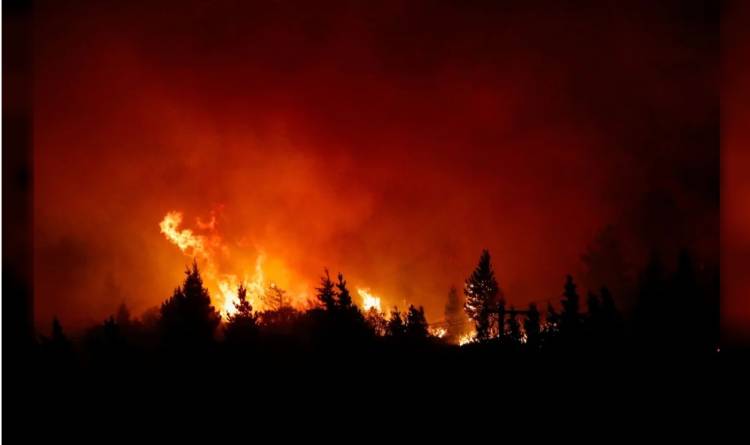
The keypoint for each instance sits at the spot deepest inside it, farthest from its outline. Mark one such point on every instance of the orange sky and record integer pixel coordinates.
(390, 142)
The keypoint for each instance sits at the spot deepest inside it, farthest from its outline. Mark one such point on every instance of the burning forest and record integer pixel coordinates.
(257, 195)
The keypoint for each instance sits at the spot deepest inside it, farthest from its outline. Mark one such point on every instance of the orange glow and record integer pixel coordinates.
(369, 301)
(467, 338)
(438, 332)
(392, 161)
(184, 239)
(222, 285)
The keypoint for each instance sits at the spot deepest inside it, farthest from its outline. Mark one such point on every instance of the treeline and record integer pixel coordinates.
(675, 311)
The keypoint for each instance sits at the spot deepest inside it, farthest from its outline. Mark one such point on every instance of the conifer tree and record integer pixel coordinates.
(481, 290)
(416, 323)
(396, 326)
(343, 297)
(514, 327)
(570, 316)
(188, 316)
(532, 326)
(242, 325)
(327, 292)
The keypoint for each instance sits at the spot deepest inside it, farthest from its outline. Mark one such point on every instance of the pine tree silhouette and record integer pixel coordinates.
(241, 327)
(58, 347)
(326, 292)
(396, 326)
(377, 322)
(500, 316)
(532, 327)
(275, 298)
(343, 297)
(514, 327)
(551, 328)
(187, 317)
(123, 317)
(58, 335)
(416, 323)
(481, 290)
(570, 317)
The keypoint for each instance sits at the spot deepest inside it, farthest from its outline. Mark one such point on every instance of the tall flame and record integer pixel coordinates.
(225, 285)
(369, 301)
(256, 288)
(184, 239)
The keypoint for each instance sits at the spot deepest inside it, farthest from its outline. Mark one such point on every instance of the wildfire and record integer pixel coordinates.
(438, 332)
(466, 339)
(184, 239)
(369, 301)
(208, 248)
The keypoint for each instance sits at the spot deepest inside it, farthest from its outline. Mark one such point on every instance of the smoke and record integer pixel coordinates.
(389, 142)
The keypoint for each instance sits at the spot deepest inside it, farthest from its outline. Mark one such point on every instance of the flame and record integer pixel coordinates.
(466, 339)
(256, 288)
(228, 289)
(184, 239)
(438, 332)
(369, 301)
(208, 248)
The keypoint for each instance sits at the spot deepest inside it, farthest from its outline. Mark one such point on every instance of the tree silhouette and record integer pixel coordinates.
(275, 297)
(514, 327)
(377, 322)
(326, 293)
(551, 327)
(242, 326)
(570, 316)
(58, 347)
(416, 323)
(532, 326)
(187, 317)
(501, 333)
(481, 290)
(454, 316)
(396, 326)
(105, 341)
(58, 335)
(123, 316)
(343, 297)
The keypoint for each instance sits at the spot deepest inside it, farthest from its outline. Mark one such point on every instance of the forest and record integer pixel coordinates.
(676, 312)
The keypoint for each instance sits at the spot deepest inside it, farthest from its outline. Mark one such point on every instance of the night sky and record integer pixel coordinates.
(391, 141)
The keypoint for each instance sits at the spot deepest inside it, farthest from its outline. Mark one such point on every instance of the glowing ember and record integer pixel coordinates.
(369, 301)
(438, 332)
(466, 339)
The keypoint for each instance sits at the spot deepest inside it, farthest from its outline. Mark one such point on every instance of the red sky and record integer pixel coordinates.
(735, 213)
(389, 141)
